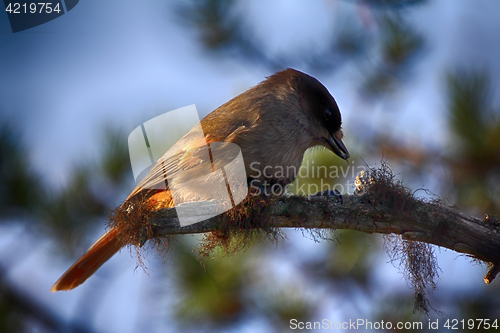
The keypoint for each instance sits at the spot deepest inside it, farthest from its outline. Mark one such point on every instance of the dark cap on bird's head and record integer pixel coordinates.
(322, 106)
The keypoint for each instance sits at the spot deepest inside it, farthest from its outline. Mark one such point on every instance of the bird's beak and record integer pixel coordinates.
(338, 147)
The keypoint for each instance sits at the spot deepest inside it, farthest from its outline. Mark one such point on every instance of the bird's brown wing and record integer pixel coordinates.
(184, 155)
(194, 159)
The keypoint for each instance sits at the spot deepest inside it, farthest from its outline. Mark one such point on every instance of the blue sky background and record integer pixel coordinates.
(120, 61)
(125, 62)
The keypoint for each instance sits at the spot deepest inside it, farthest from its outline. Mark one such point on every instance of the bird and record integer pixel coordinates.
(273, 123)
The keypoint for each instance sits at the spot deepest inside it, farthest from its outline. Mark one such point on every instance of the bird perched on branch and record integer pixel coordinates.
(273, 124)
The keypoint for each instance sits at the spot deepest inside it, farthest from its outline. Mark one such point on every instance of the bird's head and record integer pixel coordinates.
(324, 112)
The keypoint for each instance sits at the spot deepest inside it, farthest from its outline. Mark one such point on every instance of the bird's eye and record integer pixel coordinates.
(328, 114)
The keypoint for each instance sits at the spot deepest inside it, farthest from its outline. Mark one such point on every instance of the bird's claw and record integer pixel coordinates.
(328, 193)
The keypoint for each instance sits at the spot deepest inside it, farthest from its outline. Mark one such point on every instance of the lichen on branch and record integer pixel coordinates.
(381, 204)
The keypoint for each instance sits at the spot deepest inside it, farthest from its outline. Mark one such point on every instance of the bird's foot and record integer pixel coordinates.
(266, 189)
(329, 193)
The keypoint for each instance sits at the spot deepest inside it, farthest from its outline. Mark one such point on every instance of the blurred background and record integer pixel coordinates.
(418, 86)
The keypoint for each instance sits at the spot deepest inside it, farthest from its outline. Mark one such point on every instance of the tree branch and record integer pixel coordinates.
(382, 205)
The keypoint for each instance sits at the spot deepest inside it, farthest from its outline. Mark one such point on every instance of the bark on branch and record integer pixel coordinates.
(385, 207)
(430, 223)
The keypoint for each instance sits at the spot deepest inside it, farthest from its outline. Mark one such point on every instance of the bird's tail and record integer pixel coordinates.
(100, 252)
